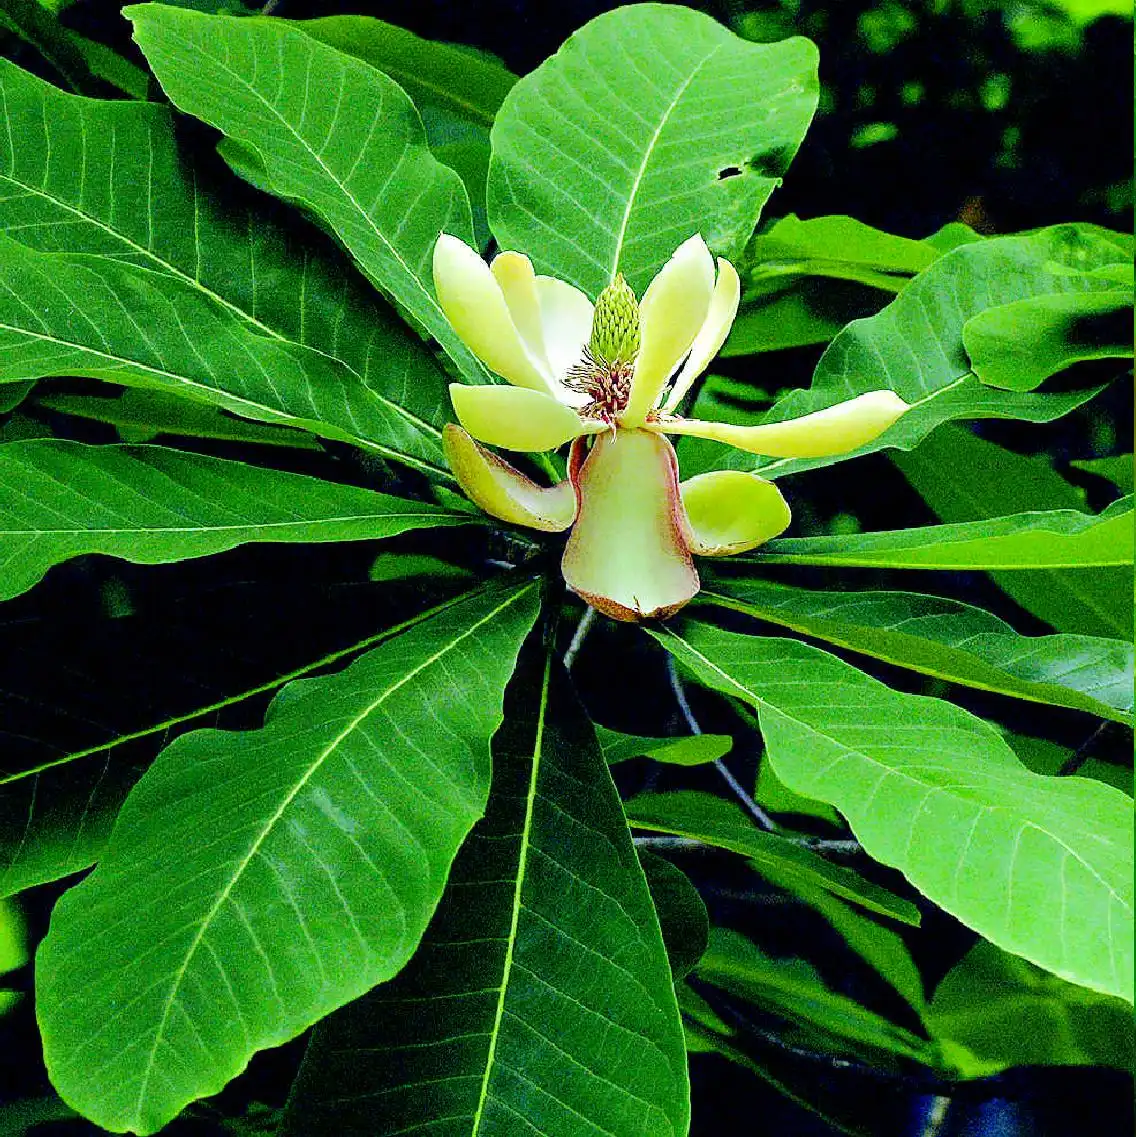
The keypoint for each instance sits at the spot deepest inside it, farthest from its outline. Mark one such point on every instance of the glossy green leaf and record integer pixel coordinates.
(966, 478)
(1040, 866)
(1000, 1011)
(689, 750)
(682, 915)
(256, 881)
(707, 818)
(1018, 346)
(349, 149)
(153, 505)
(793, 989)
(108, 320)
(541, 999)
(915, 345)
(602, 161)
(1054, 539)
(949, 640)
(85, 176)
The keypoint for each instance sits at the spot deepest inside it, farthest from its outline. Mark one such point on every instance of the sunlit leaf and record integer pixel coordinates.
(541, 999)
(256, 881)
(689, 750)
(1040, 866)
(949, 640)
(602, 160)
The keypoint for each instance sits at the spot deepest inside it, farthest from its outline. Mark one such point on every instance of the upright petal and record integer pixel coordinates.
(712, 334)
(835, 430)
(672, 311)
(502, 490)
(566, 318)
(627, 555)
(475, 306)
(730, 511)
(515, 418)
(514, 274)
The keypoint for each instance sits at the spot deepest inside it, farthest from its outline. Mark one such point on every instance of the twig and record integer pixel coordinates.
(587, 620)
(759, 815)
(669, 842)
(1082, 754)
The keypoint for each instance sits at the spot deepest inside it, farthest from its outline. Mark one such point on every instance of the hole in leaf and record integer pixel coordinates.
(728, 172)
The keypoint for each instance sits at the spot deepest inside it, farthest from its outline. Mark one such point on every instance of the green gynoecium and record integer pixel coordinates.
(608, 378)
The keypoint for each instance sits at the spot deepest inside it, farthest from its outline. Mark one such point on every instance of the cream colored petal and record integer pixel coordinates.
(514, 273)
(823, 434)
(566, 316)
(515, 418)
(502, 490)
(729, 511)
(712, 334)
(627, 554)
(672, 311)
(474, 304)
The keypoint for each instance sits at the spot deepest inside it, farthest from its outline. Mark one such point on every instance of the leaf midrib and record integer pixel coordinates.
(267, 829)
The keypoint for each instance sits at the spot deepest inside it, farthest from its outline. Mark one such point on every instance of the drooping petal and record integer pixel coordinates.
(502, 490)
(515, 418)
(835, 430)
(672, 311)
(514, 274)
(566, 318)
(627, 554)
(474, 304)
(730, 511)
(712, 334)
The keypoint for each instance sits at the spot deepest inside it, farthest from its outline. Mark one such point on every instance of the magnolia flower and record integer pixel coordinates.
(609, 378)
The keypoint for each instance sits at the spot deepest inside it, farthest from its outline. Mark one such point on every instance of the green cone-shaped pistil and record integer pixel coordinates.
(615, 326)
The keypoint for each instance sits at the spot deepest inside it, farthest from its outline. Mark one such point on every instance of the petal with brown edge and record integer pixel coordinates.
(627, 553)
(502, 490)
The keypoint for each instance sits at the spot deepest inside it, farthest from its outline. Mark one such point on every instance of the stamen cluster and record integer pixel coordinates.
(607, 385)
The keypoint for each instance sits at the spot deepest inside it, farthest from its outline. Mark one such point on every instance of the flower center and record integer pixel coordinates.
(608, 365)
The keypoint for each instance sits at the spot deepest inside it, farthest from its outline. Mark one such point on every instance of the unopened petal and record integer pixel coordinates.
(473, 302)
(514, 274)
(515, 418)
(627, 553)
(566, 316)
(712, 334)
(835, 430)
(730, 511)
(672, 311)
(502, 490)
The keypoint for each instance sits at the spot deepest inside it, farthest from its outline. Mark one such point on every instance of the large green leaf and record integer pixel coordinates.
(949, 640)
(152, 505)
(915, 345)
(707, 818)
(255, 882)
(1039, 866)
(966, 478)
(652, 123)
(541, 1000)
(348, 148)
(84, 176)
(1054, 539)
(108, 320)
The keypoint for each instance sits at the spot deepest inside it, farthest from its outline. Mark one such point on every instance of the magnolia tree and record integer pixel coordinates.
(422, 853)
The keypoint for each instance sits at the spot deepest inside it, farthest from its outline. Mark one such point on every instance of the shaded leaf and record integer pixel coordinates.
(152, 505)
(257, 881)
(541, 999)
(602, 160)
(966, 478)
(682, 915)
(1040, 866)
(349, 149)
(949, 640)
(707, 818)
(1117, 470)
(1054, 539)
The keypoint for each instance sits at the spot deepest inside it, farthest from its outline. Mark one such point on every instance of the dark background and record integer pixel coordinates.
(1004, 115)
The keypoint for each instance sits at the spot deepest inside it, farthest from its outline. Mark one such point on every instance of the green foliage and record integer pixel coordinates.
(420, 854)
